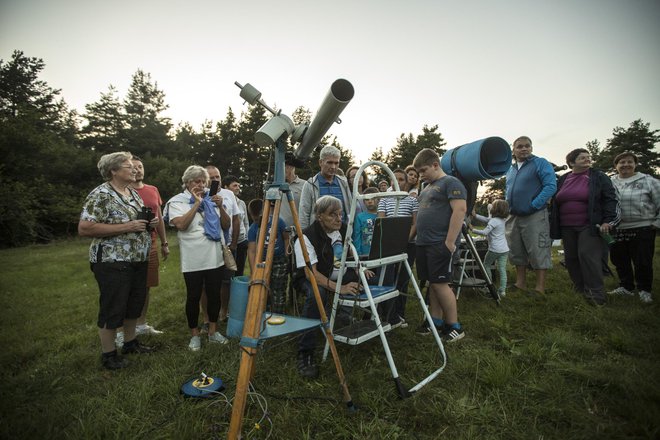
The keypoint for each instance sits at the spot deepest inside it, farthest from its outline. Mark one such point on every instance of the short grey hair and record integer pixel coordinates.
(112, 162)
(329, 151)
(325, 204)
(193, 172)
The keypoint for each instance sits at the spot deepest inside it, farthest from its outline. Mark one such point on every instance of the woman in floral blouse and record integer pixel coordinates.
(118, 254)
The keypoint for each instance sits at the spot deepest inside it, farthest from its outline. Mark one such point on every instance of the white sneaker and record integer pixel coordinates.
(119, 339)
(217, 338)
(195, 343)
(146, 329)
(620, 291)
(645, 297)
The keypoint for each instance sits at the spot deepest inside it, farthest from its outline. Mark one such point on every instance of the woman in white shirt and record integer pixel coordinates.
(197, 220)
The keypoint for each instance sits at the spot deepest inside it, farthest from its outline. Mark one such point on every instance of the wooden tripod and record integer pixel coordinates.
(257, 302)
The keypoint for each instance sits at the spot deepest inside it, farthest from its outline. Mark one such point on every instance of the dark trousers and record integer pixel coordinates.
(241, 255)
(307, 340)
(634, 248)
(397, 306)
(211, 281)
(583, 253)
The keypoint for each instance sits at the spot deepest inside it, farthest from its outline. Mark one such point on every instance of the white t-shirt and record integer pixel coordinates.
(197, 251)
(337, 247)
(231, 208)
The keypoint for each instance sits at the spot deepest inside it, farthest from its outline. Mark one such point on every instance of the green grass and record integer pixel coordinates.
(533, 368)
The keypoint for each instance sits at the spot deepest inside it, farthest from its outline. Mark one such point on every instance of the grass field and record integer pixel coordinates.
(548, 367)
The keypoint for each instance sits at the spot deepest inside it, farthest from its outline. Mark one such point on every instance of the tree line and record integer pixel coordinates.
(49, 151)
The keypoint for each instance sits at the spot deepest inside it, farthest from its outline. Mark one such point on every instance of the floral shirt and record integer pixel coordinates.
(105, 205)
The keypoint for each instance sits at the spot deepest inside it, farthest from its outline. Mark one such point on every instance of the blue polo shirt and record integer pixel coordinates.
(332, 189)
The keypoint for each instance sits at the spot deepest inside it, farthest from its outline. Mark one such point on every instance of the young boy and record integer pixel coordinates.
(442, 208)
(363, 229)
(278, 274)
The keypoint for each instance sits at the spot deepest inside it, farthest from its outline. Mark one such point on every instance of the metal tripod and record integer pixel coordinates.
(489, 283)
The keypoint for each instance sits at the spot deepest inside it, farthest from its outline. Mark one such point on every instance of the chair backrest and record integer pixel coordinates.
(390, 236)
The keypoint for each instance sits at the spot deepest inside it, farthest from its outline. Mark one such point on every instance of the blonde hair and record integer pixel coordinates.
(112, 162)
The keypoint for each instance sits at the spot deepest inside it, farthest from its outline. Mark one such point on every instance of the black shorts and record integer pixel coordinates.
(123, 289)
(434, 263)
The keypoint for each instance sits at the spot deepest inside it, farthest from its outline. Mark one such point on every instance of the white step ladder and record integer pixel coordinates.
(362, 331)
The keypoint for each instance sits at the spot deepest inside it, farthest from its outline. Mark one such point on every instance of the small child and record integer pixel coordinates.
(279, 273)
(363, 228)
(498, 249)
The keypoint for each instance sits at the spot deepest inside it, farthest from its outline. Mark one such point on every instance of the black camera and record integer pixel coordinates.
(146, 214)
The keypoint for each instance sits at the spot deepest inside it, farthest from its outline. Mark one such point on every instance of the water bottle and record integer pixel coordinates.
(606, 236)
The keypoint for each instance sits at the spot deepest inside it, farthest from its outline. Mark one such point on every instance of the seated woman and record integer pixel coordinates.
(324, 240)
(197, 220)
(584, 207)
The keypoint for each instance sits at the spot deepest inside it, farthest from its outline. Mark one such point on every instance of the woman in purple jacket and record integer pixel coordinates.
(584, 207)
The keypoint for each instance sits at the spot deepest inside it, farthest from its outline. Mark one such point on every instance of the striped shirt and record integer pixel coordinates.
(407, 206)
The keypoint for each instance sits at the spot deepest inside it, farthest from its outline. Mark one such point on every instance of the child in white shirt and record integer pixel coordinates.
(498, 249)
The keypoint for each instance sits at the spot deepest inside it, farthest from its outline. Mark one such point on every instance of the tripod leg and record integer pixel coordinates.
(477, 258)
(252, 327)
(324, 318)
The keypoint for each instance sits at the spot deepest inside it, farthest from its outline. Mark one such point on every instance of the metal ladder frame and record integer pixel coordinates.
(362, 266)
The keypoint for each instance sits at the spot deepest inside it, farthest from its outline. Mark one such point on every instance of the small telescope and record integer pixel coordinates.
(340, 94)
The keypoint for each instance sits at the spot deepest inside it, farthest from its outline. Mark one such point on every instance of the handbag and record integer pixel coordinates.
(230, 261)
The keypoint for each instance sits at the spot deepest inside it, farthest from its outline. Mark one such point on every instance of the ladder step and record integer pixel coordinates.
(359, 332)
(472, 282)
(378, 293)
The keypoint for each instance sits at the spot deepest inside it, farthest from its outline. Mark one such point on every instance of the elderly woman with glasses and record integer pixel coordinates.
(112, 216)
(197, 219)
(324, 240)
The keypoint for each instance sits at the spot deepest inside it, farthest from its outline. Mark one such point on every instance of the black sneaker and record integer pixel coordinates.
(112, 361)
(452, 334)
(306, 366)
(423, 329)
(135, 346)
(396, 321)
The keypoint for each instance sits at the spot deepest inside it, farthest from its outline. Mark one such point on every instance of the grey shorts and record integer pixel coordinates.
(529, 240)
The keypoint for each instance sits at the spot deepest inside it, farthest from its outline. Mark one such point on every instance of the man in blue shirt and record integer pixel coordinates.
(530, 183)
(325, 183)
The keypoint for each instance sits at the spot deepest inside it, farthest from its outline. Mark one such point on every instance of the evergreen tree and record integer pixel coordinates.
(408, 146)
(147, 131)
(638, 138)
(38, 198)
(254, 161)
(106, 124)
